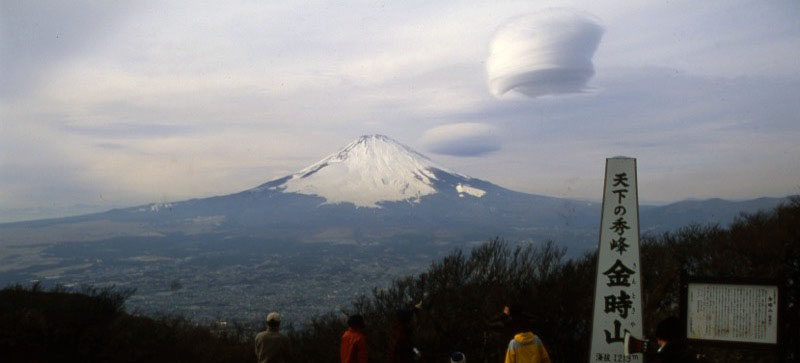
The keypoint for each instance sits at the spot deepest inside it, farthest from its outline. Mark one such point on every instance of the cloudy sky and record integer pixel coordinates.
(111, 104)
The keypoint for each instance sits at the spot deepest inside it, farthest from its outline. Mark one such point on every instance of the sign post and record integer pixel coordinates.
(618, 292)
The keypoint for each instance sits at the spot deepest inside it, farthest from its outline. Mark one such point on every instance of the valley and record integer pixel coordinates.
(208, 279)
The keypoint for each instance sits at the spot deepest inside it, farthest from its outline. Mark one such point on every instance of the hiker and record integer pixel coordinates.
(525, 347)
(354, 343)
(501, 327)
(401, 349)
(271, 345)
(458, 357)
(671, 344)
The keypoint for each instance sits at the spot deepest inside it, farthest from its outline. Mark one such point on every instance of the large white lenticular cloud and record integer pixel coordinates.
(544, 53)
(461, 139)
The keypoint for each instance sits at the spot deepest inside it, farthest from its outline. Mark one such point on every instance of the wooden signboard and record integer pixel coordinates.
(742, 313)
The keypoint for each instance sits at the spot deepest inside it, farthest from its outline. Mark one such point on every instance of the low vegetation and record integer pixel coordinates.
(90, 325)
(460, 294)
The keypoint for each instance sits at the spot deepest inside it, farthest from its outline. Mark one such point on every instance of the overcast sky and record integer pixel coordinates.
(111, 104)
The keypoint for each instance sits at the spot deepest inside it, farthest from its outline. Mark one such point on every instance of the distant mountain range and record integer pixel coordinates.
(375, 190)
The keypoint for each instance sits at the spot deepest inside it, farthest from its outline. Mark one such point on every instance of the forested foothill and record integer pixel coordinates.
(461, 297)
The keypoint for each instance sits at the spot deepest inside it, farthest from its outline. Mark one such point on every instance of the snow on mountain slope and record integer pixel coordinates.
(466, 189)
(369, 170)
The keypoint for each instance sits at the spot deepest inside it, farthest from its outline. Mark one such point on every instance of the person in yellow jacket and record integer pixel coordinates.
(526, 347)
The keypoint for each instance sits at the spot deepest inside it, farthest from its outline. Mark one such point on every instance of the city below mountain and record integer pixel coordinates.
(311, 241)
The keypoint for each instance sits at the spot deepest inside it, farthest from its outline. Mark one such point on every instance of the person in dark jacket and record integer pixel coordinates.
(401, 348)
(354, 342)
(672, 347)
(271, 345)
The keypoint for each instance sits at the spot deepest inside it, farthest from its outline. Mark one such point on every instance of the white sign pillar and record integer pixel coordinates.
(618, 292)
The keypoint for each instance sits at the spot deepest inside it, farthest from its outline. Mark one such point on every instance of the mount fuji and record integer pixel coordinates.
(309, 242)
(374, 190)
(368, 171)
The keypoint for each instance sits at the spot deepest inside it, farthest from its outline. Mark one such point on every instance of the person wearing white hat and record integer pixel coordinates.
(271, 345)
(458, 357)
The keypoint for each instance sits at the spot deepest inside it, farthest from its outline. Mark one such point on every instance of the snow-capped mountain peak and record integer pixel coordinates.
(369, 170)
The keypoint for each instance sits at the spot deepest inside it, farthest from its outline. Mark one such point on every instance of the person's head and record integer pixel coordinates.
(404, 316)
(458, 357)
(274, 321)
(355, 321)
(520, 321)
(520, 324)
(668, 330)
(514, 309)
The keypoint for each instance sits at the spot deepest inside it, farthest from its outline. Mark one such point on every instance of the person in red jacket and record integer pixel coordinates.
(354, 342)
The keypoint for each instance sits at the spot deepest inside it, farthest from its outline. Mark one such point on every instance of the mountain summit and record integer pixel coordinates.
(369, 170)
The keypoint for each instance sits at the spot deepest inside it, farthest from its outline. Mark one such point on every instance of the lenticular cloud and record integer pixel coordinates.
(461, 139)
(544, 53)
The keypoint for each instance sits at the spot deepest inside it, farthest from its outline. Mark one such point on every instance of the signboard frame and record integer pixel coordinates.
(684, 311)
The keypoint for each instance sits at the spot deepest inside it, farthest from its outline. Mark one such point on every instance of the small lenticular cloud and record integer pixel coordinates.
(544, 53)
(461, 139)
